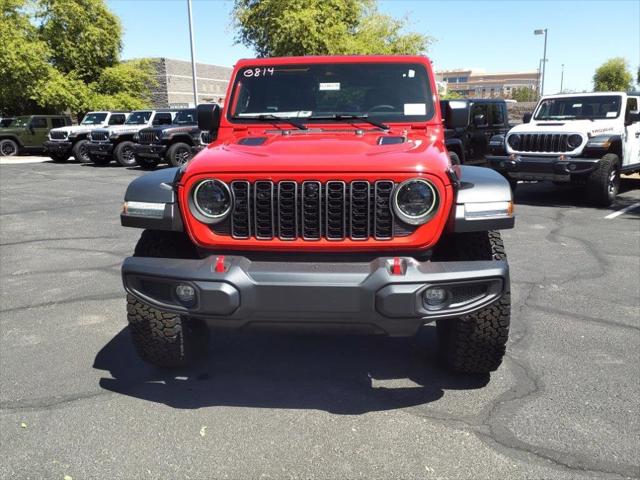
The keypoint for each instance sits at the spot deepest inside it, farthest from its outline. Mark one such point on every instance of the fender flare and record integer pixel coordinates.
(599, 145)
(12, 137)
(156, 192)
(456, 146)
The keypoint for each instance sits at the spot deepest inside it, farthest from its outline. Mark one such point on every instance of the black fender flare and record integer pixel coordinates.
(12, 137)
(456, 146)
(599, 145)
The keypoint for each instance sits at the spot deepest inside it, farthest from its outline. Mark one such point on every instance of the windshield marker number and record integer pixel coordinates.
(259, 72)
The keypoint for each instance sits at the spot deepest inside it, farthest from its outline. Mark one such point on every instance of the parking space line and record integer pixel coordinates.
(624, 210)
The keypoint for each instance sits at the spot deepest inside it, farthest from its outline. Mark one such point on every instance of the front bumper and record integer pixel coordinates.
(558, 169)
(149, 150)
(57, 147)
(383, 296)
(100, 148)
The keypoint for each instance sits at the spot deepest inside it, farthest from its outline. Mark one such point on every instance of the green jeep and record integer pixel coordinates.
(28, 133)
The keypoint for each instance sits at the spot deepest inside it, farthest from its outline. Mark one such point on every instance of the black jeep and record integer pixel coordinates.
(470, 144)
(174, 144)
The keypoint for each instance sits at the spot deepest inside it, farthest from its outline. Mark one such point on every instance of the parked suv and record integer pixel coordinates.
(27, 134)
(586, 138)
(328, 201)
(72, 140)
(116, 142)
(174, 144)
(469, 144)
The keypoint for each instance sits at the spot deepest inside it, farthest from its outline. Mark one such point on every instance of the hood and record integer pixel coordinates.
(172, 128)
(124, 128)
(341, 150)
(76, 128)
(588, 128)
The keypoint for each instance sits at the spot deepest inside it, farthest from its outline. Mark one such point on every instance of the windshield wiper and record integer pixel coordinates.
(339, 116)
(267, 116)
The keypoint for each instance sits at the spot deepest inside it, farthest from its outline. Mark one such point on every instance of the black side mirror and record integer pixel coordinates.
(479, 120)
(456, 114)
(526, 118)
(208, 116)
(632, 117)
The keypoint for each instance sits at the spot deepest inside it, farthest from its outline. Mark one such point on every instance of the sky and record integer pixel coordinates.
(496, 36)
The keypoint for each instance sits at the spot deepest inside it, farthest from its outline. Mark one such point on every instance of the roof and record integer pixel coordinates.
(586, 94)
(312, 59)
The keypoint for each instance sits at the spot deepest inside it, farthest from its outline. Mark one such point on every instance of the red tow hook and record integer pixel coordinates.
(220, 264)
(396, 267)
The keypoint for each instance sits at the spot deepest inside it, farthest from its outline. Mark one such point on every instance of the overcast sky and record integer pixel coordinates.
(494, 35)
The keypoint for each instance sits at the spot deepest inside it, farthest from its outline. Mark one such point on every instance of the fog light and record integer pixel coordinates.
(435, 296)
(186, 294)
(572, 166)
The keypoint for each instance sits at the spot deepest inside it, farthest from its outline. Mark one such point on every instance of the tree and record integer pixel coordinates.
(524, 94)
(123, 86)
(612, 76)
(322, 27)
(83, 36)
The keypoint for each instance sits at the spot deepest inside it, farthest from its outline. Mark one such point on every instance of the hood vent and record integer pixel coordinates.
(390, 140)
(252, 141)
(549, 124)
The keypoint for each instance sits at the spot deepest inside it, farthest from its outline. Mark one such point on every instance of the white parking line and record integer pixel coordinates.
(624, 210)
(21, 160)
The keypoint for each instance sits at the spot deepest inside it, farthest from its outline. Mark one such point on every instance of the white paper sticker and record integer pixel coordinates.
(612, 114)
(576, 105)
(415, 108)
(412, 73)
(330, 86)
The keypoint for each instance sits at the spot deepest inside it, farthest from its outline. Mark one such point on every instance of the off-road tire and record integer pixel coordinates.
(80, 152)
(165, 339)
(474, 343)
(604, 182)
(101, 160)
(179, 154)
(147, 163)
(9, 147)
(59, 157)
(124, 153)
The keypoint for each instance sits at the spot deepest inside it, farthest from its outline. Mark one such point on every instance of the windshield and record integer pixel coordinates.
(185, 117)
(138, 118)
(587, 107)
(93, 119)
(20, 122)
(388, 92)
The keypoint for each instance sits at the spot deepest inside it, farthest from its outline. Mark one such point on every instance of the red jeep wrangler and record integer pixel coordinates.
(328, 200)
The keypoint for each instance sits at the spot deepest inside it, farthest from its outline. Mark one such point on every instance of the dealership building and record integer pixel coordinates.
(175, 83)
(480, 84)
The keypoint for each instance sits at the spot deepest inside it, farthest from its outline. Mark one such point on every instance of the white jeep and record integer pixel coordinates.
(586, 138)
(72, 139)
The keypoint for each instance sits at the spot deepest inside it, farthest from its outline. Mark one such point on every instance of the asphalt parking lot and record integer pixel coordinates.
(75, 400)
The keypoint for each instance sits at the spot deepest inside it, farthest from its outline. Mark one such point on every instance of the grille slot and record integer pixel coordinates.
(312, 210)
(147, 137)
(100, 136)
(58, 135)
(544, 142)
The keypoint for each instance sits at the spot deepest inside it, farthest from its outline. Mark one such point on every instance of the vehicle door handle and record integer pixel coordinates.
(637, 134)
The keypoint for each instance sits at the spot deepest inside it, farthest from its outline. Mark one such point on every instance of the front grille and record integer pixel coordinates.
(58, 135)
(544, 142)
(100, 136)
(311, 210)
(147, 137)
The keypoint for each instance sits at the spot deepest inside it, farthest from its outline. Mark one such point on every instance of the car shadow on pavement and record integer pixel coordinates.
(546, 194)
(338, 374)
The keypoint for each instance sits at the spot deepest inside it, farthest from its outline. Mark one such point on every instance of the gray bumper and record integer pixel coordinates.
(150, 150)
(234, 291)
(57, 146)
(100, 148)
(542, 168)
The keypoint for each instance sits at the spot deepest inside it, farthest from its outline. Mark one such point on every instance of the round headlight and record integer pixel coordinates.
(574, 141)
(212, 199)
(514, 141)
(415, 200)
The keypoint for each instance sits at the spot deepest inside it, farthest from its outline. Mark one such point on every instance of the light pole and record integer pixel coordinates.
(193, 57)
(544, 56)
(561, 77)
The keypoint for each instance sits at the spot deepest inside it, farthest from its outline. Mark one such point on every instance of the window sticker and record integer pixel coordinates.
(329, 86)
(612, 114)
(577, 105)
(415, 108)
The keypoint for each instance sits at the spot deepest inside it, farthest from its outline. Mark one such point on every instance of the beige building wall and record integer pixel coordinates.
(479, 84)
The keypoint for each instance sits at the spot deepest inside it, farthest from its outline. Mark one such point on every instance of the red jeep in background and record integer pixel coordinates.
(326, 200)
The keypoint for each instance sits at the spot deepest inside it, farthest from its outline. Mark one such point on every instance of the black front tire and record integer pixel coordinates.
(604, 182)
(179, 154)
(165, 339)
(59, 157)
(147, 163)
(80, 152)
(454, 158)
(124, 153)
(474, 343)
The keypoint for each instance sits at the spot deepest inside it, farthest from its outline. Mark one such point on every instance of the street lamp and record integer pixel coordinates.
(193, 60)
(544, 56)
(561, 77)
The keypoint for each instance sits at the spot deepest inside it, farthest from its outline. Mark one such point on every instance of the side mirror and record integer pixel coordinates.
(632, 117)
(479, 120)
(456, 114)
(208, 116)
(526, 118)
